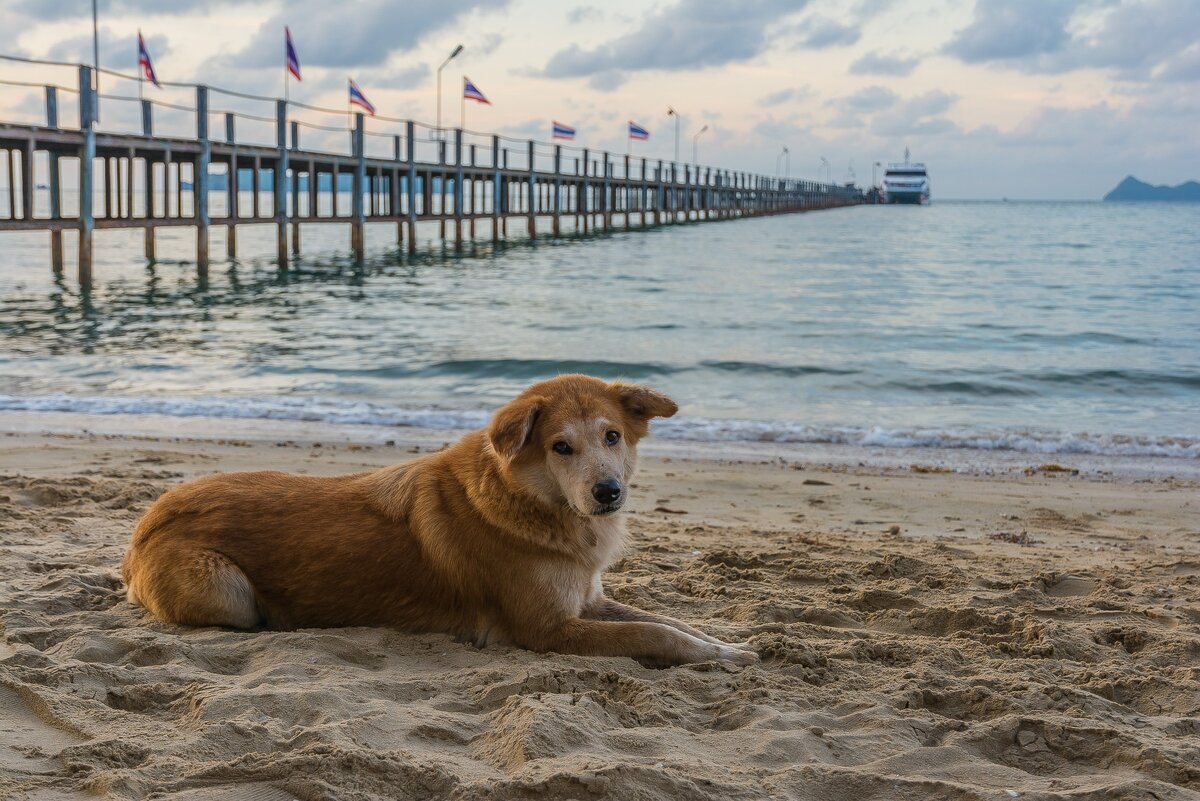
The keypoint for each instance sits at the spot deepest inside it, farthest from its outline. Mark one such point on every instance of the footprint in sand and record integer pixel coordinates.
(28, 741)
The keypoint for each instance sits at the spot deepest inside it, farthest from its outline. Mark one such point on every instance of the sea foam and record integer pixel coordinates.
(690, 428)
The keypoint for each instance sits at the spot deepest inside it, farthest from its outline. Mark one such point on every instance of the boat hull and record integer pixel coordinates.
(908, 198)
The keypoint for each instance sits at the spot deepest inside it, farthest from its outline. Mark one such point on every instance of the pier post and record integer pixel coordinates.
(532, 187)
(606, 195)
(356, 184)
(410, 150)
(56, 252)
(87, 155)
(557, 188)
(296, 215)
(586, 193)
(642, 195)
(200, 181)
(231, 188)
(394, 192)
(278, 185)
(627, 193)
(497, 189)
(458, 188)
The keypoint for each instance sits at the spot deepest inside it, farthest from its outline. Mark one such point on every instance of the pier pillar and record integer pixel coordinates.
(200, 180)
(586, 193)
(394, 191)
(642, 194)
(295, 128)
(497, 189)
(410, 144)
(279, 185)
(533, 200)
(56, 252)
(627, 192)
(606, 194)
(231, 188)
(87, 155)
(357, 183)
(458, 188)
(557, 189)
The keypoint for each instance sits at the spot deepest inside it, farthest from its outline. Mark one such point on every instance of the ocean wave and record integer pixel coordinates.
(691, 428)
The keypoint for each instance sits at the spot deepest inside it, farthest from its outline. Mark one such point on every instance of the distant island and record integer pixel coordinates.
(1131, 189)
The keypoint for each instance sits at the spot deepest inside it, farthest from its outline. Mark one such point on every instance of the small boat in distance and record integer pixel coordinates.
(906, 183)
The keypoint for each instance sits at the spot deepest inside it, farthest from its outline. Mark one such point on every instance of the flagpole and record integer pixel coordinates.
(462, 114)
(141, 72)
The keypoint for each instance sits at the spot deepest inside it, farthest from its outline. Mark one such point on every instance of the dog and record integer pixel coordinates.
(500, 538)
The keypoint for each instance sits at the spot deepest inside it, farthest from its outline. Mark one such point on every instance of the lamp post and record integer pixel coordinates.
(784, 156)
(449, 58)
(826, 165)
(695, 158)
(673, 113)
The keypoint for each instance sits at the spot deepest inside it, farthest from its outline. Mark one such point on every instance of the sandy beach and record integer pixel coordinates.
(1014, 631)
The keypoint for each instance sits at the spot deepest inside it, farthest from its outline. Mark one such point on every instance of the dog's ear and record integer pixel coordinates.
(642, 403)
(512, 426)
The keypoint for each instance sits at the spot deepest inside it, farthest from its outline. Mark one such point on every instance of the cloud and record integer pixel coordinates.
(872, 98)
(853, 109)
(917, 115)
(118, 50)
(786, 95)
(584, 14)
(1135, 39)
(63, 9)
(326, 35)
(1009, 29)
(818, 33)
(1183, 67)
(884, 64)
(690, 34)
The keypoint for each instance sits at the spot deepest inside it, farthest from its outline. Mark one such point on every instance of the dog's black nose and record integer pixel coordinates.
(606, 491)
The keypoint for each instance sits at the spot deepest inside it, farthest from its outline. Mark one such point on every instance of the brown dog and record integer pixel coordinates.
(500, 538)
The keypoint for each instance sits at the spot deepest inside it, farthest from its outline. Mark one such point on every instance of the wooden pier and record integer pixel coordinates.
(458, 180)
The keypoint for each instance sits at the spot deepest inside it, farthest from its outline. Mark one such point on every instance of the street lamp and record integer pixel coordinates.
(673, 113)
(695, 160)
(826, 165)
(449, 58)
(784, 156)
(874, 167)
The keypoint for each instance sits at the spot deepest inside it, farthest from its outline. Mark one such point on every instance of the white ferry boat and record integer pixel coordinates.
(906, 183)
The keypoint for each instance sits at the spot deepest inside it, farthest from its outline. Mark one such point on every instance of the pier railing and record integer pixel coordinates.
(211, 161)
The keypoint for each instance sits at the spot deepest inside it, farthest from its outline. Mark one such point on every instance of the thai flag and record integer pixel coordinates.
(638, 132)
(357, 98)
(144, 62)
(560, 131)
(293, 61)
(471, 92)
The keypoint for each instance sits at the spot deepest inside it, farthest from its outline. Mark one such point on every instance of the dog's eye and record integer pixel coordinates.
(612, 437)
(562, 449)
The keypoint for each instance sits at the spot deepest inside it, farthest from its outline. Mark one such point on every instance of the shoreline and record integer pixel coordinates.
(966, 460)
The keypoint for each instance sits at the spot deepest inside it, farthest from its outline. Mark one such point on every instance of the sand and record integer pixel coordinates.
(923, 635)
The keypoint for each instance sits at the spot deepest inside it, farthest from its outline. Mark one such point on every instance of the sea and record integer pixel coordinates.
(1034, 327)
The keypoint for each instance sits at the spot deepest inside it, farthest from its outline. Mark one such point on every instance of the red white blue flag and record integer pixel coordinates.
(471, 92)
(638, 132)
(293, 61)
(357, 98)
(144, 62)
(560, 131)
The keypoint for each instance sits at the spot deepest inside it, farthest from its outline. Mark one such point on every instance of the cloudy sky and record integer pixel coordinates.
(1002, 98)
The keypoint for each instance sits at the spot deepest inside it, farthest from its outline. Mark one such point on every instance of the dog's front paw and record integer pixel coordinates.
(738, 656)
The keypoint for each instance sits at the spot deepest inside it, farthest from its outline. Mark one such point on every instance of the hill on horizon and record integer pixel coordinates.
(1131, 189)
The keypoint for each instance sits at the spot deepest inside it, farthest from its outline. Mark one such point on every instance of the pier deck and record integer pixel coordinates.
(457, 179)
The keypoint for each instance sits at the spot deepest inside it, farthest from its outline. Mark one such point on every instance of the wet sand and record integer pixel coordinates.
(923, 635)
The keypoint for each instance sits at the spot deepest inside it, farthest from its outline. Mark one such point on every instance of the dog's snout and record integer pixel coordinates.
(606, 491)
